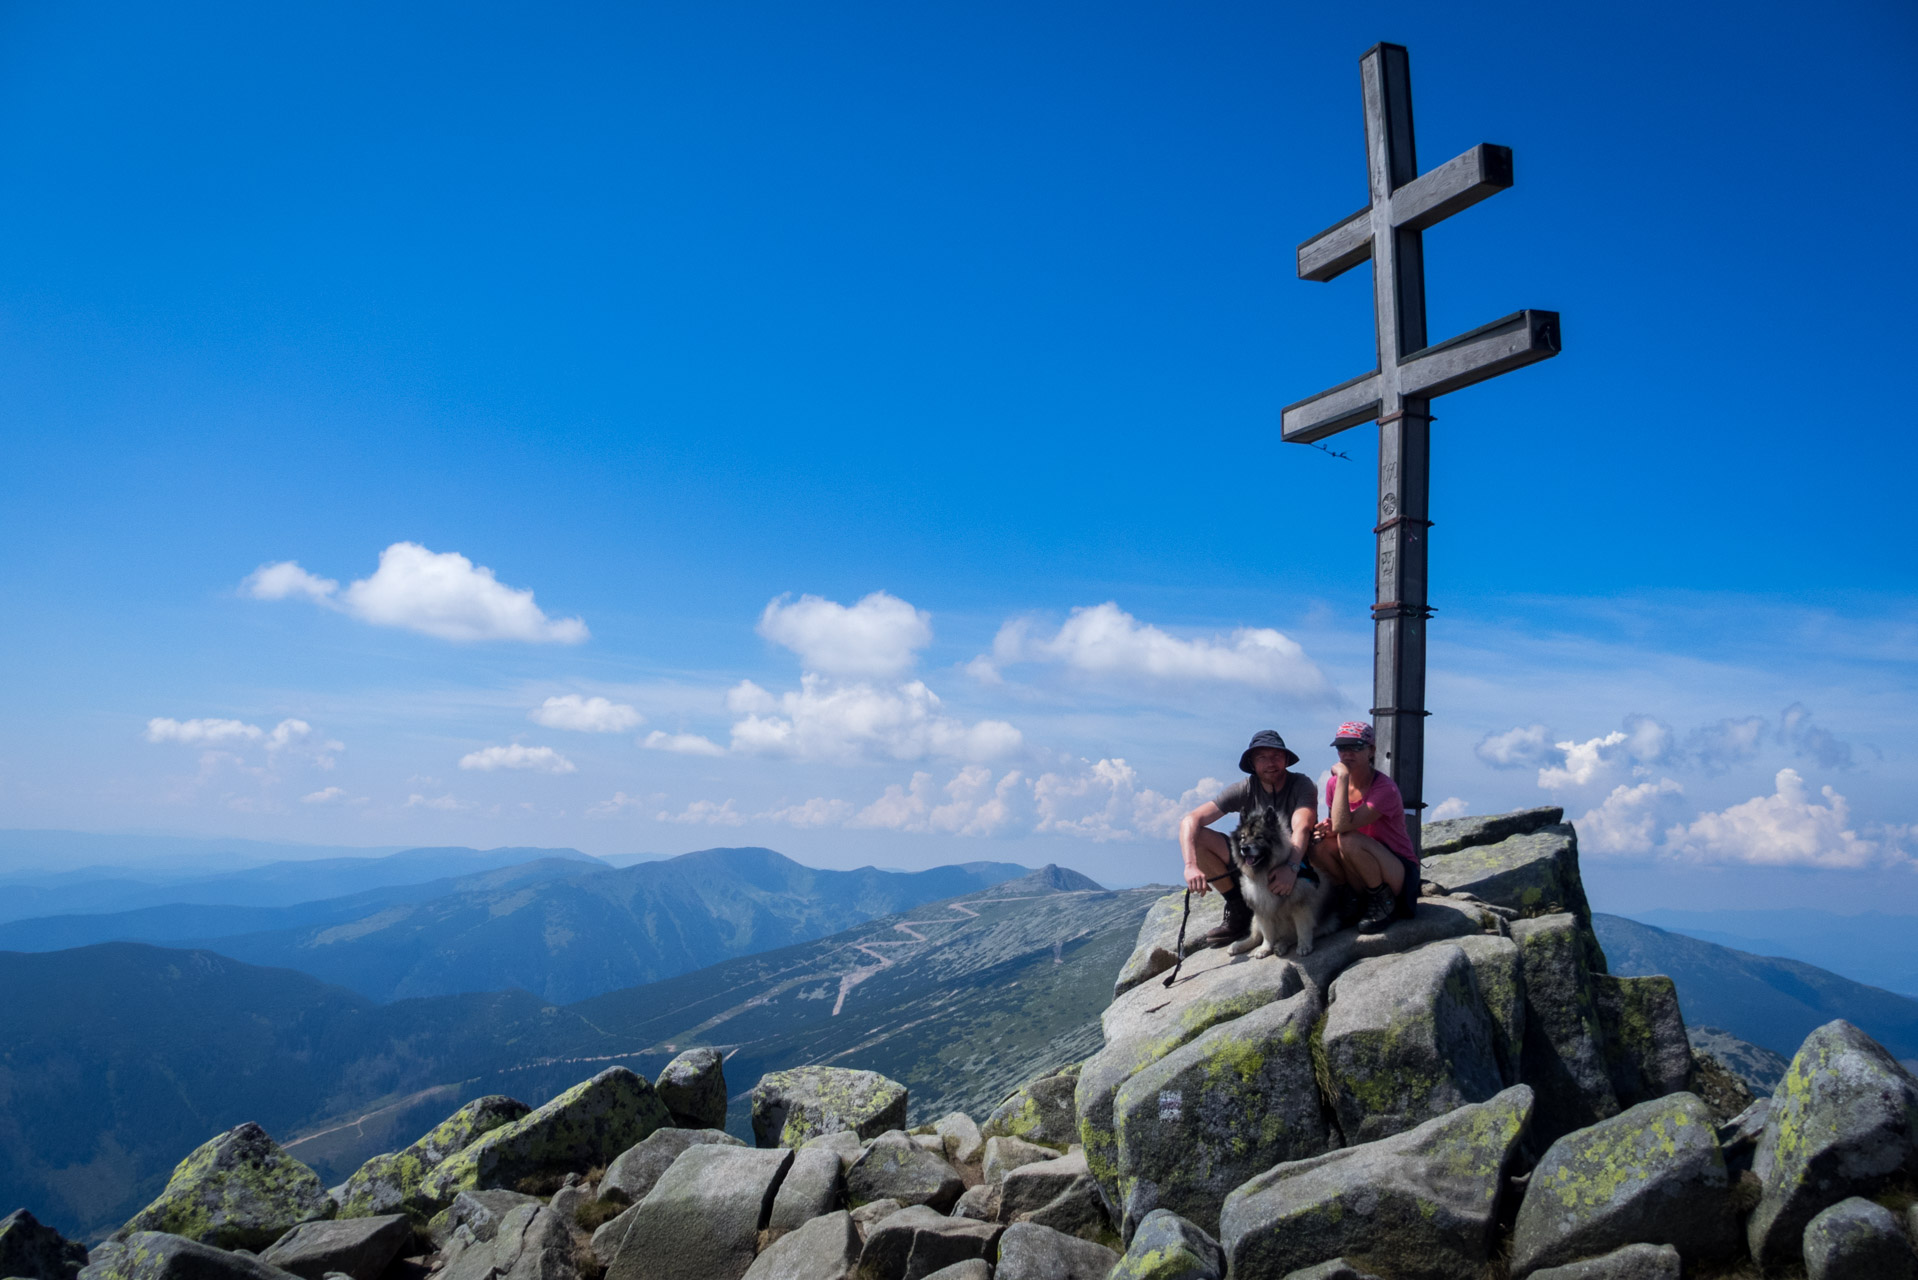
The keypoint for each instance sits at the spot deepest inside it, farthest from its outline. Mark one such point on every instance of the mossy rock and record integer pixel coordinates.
(790, 1108)
(1534, 873)
(1420, 1203)
(1564, 1057)
(1039, 1111)
(1646, 1047)
(156, 1255)
(1167, 1247)
(588, 1125)
(693, 1087)
(385, 1183)
(236, 1191)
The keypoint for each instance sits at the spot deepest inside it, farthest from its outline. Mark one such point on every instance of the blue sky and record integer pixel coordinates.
(702, 325)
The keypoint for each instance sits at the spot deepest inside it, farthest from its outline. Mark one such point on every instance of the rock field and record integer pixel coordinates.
(1467, 1095)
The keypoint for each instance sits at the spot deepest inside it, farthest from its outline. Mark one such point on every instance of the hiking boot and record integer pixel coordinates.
(1380, 904)
(1238, 921)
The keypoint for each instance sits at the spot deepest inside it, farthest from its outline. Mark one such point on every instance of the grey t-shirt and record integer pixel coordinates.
(1295, 793)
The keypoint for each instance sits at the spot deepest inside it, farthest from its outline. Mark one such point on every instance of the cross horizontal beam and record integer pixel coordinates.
(1459, 183)
(1522, 338)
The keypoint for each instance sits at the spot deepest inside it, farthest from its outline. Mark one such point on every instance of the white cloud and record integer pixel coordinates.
(618, 804)
(824, 720)
(1105, 640)
(1584, 762)
(1630, 818)
(586, 715)
(515, 756)
(685, 744)
(441, 594)
(445, 803)
(329, 795)
(285, 580)
(1450, 807)
(1104, 802)
(1526, 747)
(705, 812)
(197, 732)
(972, 804)
(875, 638)
(1785, 829)
(817, 812)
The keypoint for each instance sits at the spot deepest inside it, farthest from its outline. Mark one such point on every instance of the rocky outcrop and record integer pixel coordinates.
(1564, 1058)
(34, 1252)
(589, 1124)
(1029, 1251)
(1532, 872)
(1844, 1123)
(1650, 1175)
(703, 1218)
(960, 1138)
(1646, 1049)
(236, 1191)
(693, 1087)
(385, 1184)
(357, 1247)
(1408, 1038)
(632, 1174)
(1167, 1247)
(1632, 1262)
(825, 1248)
(814, 1185)
(917, 1242)
(1003, 1155)
(791, 1107)
(1420, 1203)
(1857, 1237)
(1238, 1099)
(156, 1255)
(1449, 835)
(896, 1168)
(1040, 1111)
(480, 1213)
(530, 1243)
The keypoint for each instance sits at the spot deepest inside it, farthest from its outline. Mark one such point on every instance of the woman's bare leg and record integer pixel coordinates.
(1358, 860)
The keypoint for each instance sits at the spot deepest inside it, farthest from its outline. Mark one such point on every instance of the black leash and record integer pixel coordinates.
(1174, 975)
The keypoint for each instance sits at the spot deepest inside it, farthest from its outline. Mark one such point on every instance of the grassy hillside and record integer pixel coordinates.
(1771, 1002)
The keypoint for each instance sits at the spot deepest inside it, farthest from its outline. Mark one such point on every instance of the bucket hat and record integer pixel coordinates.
(1260, 741)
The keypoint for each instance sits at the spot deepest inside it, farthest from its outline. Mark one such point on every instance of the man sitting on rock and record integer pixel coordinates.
(1269, 784)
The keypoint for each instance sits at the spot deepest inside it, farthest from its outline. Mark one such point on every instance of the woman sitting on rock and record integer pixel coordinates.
(1363, 845)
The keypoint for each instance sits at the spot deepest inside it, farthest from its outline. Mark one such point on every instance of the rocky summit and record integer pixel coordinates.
(1468, 1095)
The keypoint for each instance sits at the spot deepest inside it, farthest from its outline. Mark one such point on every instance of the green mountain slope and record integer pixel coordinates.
(573, 937)
(118, 1059)
(1771, 1002)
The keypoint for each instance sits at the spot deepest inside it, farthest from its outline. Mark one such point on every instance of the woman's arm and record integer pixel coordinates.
(1344, 817)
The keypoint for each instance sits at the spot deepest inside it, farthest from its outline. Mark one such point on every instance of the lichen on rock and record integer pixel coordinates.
(385, 1183)
(790, 1108)
(236, 1191)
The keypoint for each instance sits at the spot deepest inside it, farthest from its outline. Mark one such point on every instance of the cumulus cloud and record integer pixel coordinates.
(1525, 747)
(1105, 640)
(586, 715)
(817, 812)
(1104, 801)
(515, 756)
(877, 638)
(971, 804)
(1630, 819)
(1583, 764)
(706, 813)
(441, 594)
(327, 795)
(1450, 807)
(288, 733)
(201, 732)
(685, 744)
(825, 720)
(1788, 828)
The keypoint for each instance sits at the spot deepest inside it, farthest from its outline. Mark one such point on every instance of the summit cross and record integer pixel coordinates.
(1398, 393)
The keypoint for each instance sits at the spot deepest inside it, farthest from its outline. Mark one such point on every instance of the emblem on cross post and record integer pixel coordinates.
(1398, 393)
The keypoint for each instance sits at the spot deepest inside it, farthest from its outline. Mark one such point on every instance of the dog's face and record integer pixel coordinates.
(1256, 842)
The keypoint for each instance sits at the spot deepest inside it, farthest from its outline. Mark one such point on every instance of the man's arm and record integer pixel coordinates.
(1203, 816)
(1304, 818)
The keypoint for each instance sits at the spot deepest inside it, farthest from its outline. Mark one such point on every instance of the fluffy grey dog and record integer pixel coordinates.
(1277, 923)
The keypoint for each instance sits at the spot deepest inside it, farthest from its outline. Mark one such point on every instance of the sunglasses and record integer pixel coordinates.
(1343, 747)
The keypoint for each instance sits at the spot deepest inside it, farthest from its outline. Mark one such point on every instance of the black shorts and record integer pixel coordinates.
(1408, 895)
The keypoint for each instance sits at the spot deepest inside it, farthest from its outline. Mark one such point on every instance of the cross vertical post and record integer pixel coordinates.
(1398, 393)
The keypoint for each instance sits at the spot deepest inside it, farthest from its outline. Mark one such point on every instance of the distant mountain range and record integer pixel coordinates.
(564, 929)
(1870, 948)
(1772, 1003)
(116, 1059)
(101, 889)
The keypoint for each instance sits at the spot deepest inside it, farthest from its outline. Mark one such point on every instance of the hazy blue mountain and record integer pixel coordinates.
(1771, 1002)
(179, 922)
(34, 852)
(1870, 948)
(118, 1059)
(573, 937)
(276, 884)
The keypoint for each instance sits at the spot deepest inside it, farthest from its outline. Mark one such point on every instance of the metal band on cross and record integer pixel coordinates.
(1398, 393)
